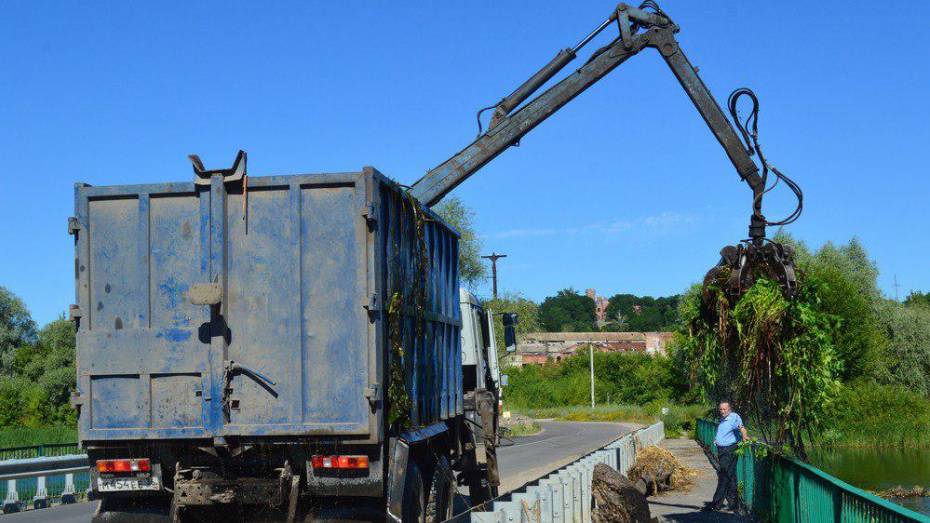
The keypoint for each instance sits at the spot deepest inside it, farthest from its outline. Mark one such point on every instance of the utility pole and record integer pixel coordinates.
(896, 287)
(591, 352)
(494, 257)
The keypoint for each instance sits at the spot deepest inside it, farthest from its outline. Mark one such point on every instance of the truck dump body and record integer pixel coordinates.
(204, 312)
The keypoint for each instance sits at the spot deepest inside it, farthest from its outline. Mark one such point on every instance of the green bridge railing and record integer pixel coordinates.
(781, 489)
(39, 451)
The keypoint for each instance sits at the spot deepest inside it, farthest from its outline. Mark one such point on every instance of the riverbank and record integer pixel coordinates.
(869, 416)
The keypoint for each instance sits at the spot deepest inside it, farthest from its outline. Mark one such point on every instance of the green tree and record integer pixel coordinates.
(630, 313)
(458, 215)
(847, 290)
(568, 311)
(619, 309)
(39, 393)
(906, 358)
(16, 328)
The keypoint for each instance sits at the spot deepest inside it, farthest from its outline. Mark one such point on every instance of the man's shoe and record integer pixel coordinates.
(741, 511)
(710, 507)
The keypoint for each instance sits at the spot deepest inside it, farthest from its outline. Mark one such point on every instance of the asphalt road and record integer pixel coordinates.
(77, 513)
(557, 445)
(528, 458)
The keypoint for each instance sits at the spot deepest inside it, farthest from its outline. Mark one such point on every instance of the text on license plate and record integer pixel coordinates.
(121, 484)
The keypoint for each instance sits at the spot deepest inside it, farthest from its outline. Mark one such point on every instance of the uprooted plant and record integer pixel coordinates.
(772, 356)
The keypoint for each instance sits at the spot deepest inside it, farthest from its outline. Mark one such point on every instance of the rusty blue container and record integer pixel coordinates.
(272, 308)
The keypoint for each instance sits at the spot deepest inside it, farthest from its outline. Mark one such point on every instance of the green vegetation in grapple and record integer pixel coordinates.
(874, 348)
(773, 357)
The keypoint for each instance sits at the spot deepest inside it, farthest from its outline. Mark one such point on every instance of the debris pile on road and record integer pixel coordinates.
(618, 499)
(656, 470)
(515, 420)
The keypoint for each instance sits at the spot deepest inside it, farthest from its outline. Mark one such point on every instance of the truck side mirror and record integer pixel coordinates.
(510, 334)
(505, 380)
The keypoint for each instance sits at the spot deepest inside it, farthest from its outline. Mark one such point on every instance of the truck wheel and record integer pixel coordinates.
(480, 489)
(414, 510)
(441, 493)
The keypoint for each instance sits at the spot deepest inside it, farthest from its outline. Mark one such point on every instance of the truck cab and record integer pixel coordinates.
(479, 347)
(481, 385)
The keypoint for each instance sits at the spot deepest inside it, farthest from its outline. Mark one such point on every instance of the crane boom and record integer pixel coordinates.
(639, 29)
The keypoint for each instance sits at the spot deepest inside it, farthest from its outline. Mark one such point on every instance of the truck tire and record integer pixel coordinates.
(414, 510)
(480, 489)
(441, 493)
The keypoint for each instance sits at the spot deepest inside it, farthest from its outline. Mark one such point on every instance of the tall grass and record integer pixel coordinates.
(872, 415)
(26, 436)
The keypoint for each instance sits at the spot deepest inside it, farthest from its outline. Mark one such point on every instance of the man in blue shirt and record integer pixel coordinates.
(730, 432)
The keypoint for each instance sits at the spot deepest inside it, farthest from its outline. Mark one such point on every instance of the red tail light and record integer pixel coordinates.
(339, 462)
(115, 466)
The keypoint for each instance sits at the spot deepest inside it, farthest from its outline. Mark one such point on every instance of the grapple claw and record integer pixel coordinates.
(740, 265)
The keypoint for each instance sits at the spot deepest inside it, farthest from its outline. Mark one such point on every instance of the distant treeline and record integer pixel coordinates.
(571, 311)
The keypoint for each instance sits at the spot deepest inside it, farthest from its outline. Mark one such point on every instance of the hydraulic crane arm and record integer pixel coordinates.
(639, 29)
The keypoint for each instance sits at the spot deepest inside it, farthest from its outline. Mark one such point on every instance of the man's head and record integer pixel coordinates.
(724, 409)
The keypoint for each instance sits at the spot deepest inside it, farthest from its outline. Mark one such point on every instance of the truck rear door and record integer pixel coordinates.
(285, 350)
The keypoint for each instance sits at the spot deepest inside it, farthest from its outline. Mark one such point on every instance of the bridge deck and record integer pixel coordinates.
(686, 506)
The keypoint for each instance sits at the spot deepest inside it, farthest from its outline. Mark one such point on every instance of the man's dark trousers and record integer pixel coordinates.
(726, 477)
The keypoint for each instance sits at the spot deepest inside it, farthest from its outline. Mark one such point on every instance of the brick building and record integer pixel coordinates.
(600, 305)
(538, 348)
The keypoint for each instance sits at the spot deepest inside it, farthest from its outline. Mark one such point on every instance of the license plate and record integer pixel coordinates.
(125, 484)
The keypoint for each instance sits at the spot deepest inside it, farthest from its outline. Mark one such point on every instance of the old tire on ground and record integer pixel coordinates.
(441, 493)
(414, 503)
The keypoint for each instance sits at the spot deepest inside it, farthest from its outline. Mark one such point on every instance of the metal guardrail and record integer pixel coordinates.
(39, 480)
(565, 495)
(778, 488)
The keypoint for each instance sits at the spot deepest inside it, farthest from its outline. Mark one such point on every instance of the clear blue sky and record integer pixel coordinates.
(624, 190)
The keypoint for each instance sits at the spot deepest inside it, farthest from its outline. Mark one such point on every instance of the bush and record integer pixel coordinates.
(627, 378)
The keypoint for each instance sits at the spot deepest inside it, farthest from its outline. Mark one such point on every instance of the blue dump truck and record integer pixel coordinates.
(291, 346)
(277, 347)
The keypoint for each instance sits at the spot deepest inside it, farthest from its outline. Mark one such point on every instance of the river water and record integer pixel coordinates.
(879, 469)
